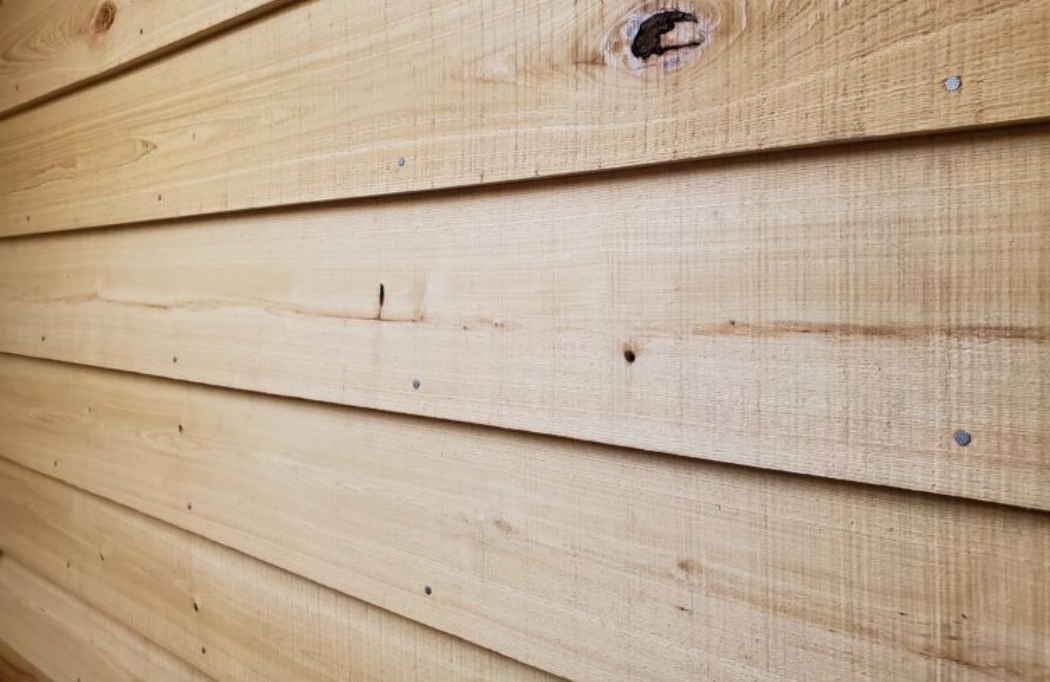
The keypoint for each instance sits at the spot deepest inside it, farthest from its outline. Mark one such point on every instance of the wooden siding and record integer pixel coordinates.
(14, 668)
(39, 619)
(340, 98)
(227, 614)
(51, 46)
(525, 543)
(872, 300)
(599, 341)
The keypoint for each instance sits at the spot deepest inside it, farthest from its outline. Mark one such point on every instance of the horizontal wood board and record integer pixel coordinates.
(591, 562)
(340, 99)
(50, 46)
(14, 668)
(842, 313)
(231, 616)
(64, 639)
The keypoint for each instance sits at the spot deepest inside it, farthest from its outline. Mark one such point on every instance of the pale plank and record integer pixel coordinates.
(336, 99)
(68, 640)
(839, 313)
(592, 562)
(234, 617)
(50, 46)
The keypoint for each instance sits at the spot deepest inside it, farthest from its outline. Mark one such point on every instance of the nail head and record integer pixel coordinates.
(952, 83)
(962, 438)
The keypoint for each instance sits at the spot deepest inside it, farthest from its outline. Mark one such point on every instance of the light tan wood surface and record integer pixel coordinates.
(525, 340)
(14, 668)
(337, 99)
(232, 616)
(840, 313)
(595, 563)
(49, 46)
(68, 640)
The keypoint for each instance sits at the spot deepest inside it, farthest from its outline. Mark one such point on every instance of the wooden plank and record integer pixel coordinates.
(337, 99)
(232, 616)
(592, 562)
(50, 46)
(838, 313)
(68, 640)
(14, 668)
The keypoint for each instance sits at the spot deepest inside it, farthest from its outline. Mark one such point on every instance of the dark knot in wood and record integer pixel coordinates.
(105, 15)
(649, 39)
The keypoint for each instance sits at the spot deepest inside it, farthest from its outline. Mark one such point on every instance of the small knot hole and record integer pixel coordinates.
(105, 15)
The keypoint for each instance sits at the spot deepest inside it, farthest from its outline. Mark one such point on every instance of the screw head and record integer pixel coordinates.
(961, 438)
(952, 83)
(401, 162)
(416, 383)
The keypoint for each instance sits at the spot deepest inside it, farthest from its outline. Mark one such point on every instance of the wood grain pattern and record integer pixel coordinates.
(232, 616)
(337, 99)
(595, 563)
(49, 46)
(68, 640)
(839, 313)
